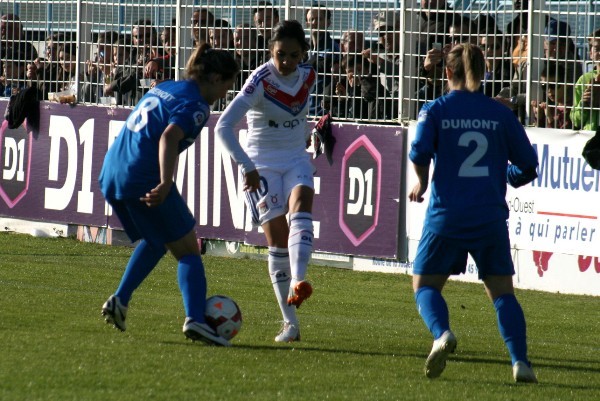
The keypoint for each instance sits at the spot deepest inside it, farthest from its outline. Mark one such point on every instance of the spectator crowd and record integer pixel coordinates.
(359, 78)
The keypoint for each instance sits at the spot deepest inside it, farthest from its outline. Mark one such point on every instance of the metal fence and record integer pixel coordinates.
(377, 61)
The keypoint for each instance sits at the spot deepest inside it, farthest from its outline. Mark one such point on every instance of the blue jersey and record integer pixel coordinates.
(471, 138)
(131, 165)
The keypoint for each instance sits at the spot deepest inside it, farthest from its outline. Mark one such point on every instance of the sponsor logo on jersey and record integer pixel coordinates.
(199, 118)
(250, 88)
(422, 116)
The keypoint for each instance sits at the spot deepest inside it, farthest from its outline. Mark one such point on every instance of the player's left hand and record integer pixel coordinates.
(157, 195)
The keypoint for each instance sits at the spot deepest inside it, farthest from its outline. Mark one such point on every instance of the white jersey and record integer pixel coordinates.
(275, 107)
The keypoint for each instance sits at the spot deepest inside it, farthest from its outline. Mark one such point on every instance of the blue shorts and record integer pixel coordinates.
(158, 225)
(445, 256)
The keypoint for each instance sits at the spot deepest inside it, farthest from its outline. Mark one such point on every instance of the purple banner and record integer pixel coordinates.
(52, 176)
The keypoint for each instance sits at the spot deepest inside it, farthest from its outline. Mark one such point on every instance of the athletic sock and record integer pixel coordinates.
(512, 326)
(280, 272)
(300, 244)
(192, 283)
(142, 261)
(433, 309)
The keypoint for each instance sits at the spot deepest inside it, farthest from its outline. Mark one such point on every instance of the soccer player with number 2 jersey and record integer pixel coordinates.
(477, 146)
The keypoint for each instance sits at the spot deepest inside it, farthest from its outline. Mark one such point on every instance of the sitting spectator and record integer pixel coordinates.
(12, 36)
(387, 61)
(351, 42)
(124, 77)
(15, 72)
(221, 36)
(435, 15)
(98, 69)
(460, 30)
(322, 55)
(67, 57)
(497, 68)
(162, 67)
(486, 23)
(356, 95)
(145, 49)
(517, 28)
(265, 17)
(247, 55)
(169, 52)
(586, 102)
(554, 110)
(46, 72)
(202, 20)
(560, 47)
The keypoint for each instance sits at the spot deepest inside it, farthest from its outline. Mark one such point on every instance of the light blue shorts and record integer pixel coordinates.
(159, 225)
(442, 255)
(276, 184)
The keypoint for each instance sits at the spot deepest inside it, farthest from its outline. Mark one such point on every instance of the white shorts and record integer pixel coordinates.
(276, 184)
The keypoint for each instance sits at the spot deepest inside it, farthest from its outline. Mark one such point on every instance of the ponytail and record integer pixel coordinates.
(467, 63)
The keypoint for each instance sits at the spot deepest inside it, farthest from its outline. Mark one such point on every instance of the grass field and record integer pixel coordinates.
(362, 337)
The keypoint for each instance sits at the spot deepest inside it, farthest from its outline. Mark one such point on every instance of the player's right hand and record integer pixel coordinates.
(416, 195)
(251, 181)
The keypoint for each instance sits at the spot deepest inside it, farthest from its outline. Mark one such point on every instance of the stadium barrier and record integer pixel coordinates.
(362, 218)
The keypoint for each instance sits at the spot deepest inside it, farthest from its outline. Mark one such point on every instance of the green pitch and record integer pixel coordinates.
(362, 337)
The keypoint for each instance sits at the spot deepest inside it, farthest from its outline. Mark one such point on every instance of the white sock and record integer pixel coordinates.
(279, 269)
(300, 244)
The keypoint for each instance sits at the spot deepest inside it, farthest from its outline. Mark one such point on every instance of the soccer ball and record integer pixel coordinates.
(223, 315)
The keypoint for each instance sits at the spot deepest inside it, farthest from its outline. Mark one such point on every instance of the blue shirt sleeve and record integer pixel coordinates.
(423, 146)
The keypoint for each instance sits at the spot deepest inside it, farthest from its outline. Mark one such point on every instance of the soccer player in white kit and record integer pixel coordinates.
(278, 174)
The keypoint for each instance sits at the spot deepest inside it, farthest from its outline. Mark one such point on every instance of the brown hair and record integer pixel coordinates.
(206, 60)
(467, 63)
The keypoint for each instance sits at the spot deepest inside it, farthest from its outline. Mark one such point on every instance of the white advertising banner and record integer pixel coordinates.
(558, 211)
(553, 223)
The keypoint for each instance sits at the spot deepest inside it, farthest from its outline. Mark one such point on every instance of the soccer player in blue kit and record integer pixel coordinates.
(477, 146)
(137, 181)
(278, 174)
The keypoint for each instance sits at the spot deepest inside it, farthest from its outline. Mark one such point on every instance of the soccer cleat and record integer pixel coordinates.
(114, 312)
(203, 332)
(288, 333)
(298, 294)
(436, 361)
(523, 373)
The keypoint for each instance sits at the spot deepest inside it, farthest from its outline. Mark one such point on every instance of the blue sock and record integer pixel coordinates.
(192, 283)
(142, 261)
(433, 309)
(511, 323)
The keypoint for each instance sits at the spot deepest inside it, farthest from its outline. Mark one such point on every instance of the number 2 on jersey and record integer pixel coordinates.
(468, 168)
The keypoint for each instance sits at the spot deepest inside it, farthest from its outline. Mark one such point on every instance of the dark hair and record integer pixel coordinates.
(594, 35)
(205, 61)
(467, 63)
(289, 29)
(68, 48)
(221, 23)
(108, 37)
(266, 6)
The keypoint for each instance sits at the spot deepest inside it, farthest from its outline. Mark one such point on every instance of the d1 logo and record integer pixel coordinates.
(15, 153)
(360, 190)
